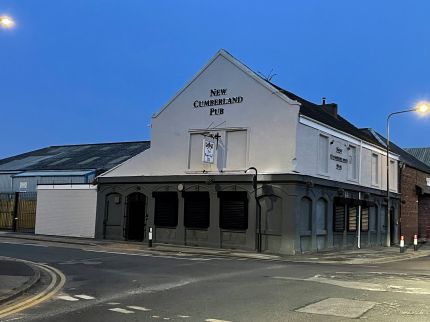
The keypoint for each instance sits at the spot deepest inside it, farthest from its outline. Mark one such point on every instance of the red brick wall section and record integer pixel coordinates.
(424, 217)
(415, 211)
(409, 208)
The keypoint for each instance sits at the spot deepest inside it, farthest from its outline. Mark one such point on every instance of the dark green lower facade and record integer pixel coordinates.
(289, 214)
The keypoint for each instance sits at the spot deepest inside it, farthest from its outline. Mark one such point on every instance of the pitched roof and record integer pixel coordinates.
(318, 113)
(404, 156)
(422, 154)
(100, 157)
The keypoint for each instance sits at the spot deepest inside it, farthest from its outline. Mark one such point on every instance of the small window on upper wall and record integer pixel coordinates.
(236, 150)
(393, 183)
(196, 159)
(375, 169)
(352, 162)
(323, 154)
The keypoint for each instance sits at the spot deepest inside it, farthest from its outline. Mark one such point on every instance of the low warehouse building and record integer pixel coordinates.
(56, 165)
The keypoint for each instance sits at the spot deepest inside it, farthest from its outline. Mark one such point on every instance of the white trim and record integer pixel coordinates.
(239, 65)
(344, 136)
(66, 187)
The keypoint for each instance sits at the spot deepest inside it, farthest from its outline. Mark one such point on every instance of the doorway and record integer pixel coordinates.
(134, 228)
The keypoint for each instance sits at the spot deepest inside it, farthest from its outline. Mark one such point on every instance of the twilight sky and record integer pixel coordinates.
(89, 71)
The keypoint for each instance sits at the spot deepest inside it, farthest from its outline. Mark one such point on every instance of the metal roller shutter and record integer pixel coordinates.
(233, 210)
(166, 209)
(197, 208)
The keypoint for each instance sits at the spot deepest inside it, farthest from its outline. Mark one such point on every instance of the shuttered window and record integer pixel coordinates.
(352, 218)
(166, 209)
(365, 219)
(233, 210)
(196, 209)
(339, 218)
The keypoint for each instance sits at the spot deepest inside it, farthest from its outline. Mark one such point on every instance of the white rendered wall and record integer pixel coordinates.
(307, 159)
(66, 210)
(270, 120)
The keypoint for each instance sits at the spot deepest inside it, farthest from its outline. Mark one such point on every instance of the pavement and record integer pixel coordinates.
(362, 256)
(16, 278)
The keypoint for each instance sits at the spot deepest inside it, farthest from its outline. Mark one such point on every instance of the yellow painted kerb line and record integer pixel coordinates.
(50, 291)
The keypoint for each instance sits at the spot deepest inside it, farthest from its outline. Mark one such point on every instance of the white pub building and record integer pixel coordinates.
(320, 182)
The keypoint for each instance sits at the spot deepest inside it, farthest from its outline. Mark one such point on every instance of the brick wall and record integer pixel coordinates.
(415, 210)
(424, 217)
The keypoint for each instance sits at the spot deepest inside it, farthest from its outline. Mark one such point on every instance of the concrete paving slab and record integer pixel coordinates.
(339, 307)
(16, 277)
(9, 283)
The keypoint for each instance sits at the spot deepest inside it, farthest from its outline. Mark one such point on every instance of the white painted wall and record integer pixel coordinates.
(66, 210)
(308, 158)
(276, 139)
(269, 118)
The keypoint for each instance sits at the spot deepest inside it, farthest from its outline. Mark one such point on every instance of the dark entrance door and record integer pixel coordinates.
(135, 223)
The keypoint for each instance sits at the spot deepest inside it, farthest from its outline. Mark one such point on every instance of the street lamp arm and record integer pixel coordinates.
(400, 112)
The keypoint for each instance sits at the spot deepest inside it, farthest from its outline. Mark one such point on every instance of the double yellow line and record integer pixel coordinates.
(57, 282)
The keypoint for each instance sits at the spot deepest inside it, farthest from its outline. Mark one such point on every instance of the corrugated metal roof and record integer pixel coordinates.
(53, 173)
(100, 157)
(422, 154)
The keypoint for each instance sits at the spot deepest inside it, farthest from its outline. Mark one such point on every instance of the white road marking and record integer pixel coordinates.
(14, 319)
(139, 308)
(119, 310)
(359, 285)
(67, 298)
(85, 297)
(155, 316)
(145, 255)
(113, 303)
(183, 316)
(166, 318)
(215, 320)
(36, 245)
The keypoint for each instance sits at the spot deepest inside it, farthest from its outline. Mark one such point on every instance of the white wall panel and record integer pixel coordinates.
(65, 211)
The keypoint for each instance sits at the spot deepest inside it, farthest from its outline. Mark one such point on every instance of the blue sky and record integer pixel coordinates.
(88, 71)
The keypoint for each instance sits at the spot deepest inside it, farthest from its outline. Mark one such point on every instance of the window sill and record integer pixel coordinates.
(324, 175)
(352, 180)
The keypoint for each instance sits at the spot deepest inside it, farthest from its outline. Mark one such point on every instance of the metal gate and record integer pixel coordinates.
(18, 211)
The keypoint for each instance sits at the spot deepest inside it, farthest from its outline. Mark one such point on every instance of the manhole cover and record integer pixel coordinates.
(339, 307)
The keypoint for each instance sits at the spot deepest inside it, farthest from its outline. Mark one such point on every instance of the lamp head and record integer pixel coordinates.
(6, 22)
(423, 108)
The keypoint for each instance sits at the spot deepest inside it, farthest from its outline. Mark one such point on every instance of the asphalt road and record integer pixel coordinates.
(111, 286)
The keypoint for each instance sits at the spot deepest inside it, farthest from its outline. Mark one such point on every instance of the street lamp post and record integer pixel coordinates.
(257, 208)
(421, 108)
